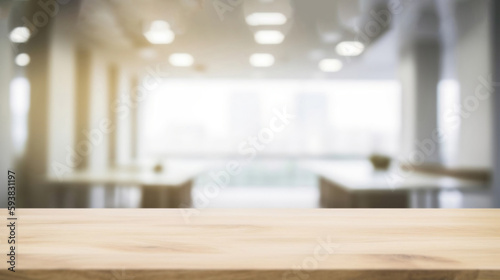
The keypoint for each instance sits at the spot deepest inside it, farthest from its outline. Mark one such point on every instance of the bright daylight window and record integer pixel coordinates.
(211, 118)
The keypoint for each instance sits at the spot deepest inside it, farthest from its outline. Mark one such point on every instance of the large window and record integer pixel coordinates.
(213, 118)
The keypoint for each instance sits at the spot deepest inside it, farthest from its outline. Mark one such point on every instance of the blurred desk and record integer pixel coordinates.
(355, 183)
(170, 188)
(227, 244)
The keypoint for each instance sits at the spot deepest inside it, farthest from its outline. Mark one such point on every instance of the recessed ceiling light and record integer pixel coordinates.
(330, 65)
(159, 38)
(22, 59)
(181, 59)
(257, 19)
(350, 48)
(159, 33)
(261, 60)
(20, 34)
(269, 37)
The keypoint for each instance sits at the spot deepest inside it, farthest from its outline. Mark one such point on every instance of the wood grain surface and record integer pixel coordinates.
(300, 244)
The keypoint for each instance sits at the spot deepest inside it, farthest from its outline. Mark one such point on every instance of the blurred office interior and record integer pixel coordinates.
(251, 103)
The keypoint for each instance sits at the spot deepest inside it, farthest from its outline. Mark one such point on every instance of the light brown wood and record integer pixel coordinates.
(256, 244)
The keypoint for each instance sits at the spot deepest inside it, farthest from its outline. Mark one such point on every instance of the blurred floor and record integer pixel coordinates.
(261, 183)
(264, 197)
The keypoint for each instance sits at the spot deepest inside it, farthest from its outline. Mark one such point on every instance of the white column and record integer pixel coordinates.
(124, 117)
(419, 74)
(36, 157)
(101, 125)
(62, 101)
(113, 80)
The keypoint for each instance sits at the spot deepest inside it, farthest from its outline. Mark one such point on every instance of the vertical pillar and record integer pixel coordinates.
(100, 125)
(125, 118)
(134, 118)
(61, 156)
(97, 134)
(420, 74)
(427, 54)
(62, 76)
(112, 96)
(82, 105)
(36, 156)
(5, 78)
(474, 65)
(495, 12)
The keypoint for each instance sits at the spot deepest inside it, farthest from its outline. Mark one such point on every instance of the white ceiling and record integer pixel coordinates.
(221, 47)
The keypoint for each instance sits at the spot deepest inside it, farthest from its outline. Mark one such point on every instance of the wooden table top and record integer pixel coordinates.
(255, 244)
(360, 176)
